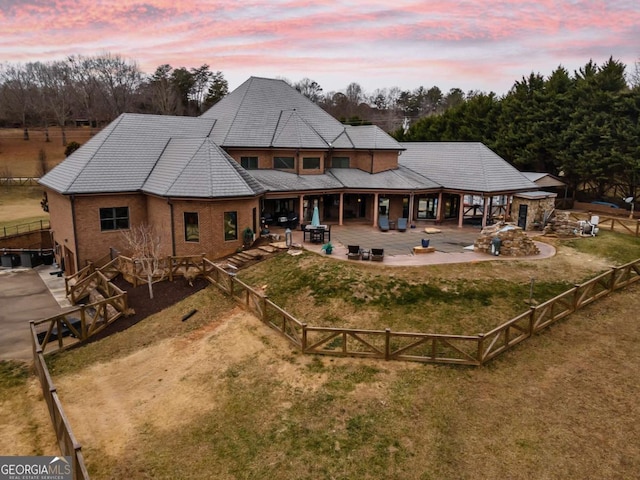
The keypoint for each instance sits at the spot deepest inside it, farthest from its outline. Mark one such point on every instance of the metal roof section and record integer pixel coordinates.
(123, 155)
(248, 116)
(197, 168)
(544, 179)
(293, 131)
(371, 136)
(537, 195)
(279, 181)
(399, 179)
(252, 116)
(466, 166)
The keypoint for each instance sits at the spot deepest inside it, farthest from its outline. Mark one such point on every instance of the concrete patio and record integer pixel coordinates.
(398, 246)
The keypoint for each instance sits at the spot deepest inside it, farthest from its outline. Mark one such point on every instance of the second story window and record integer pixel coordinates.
(284, 163)
(311, 163)
(249, 163)
(340, 162)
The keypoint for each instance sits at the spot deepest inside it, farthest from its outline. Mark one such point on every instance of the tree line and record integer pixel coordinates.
(97, 89)
(583, 127)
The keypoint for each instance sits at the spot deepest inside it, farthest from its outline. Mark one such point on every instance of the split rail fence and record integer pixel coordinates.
(379, 344)
(614, 224)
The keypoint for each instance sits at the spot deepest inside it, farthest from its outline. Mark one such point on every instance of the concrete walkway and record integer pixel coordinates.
(451, 244)
(27, 294)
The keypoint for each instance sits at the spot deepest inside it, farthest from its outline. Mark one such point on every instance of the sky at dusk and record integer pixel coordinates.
(470, 44)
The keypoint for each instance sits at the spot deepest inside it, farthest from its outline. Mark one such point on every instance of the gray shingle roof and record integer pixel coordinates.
(264, 112)
(278, 181)
(466, 166)
(399, 179)
(148, 153)
(196, 167)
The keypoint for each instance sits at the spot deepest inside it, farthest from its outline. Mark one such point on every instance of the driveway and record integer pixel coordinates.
(24, 296)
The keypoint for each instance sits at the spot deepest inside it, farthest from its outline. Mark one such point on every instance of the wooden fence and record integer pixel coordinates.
(19, 181)
(614, 224)
(23, 228)
(383, 344)
(379, 344)
(67, 442)
(423, 347)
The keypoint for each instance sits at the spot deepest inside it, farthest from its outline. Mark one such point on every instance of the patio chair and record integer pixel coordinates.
(402, 225)
(383, 224)
(377, 254)
(354, 252)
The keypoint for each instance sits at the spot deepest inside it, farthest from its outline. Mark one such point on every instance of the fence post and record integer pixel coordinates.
(264, 309)
(614, 275)
(387, 343)
(532, 320)
(480, 353)
(304, 338)
(575, 296)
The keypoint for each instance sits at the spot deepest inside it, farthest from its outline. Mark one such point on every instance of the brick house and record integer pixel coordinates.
(264, 150)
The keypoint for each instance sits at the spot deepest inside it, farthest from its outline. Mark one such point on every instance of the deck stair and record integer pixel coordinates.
(249, 257)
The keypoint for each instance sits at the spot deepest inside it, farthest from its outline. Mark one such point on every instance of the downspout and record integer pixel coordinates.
(371, 153)
(173, 237)
(75, 235)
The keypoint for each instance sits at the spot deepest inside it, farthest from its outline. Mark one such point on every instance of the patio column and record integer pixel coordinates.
(376, 204)
(485, 211)
(341, 209)
(439, 209)
(461, 213)
(301, 209)
(411, 198)
(507, 210)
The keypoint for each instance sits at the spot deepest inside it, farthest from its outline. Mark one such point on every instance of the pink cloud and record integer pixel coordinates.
(470, 39)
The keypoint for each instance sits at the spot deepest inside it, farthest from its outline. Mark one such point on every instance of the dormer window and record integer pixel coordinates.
(340, 162)
(284, 163)
(311, 163)
(249, 163)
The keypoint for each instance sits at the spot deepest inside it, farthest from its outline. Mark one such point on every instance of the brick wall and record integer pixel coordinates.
(93, 243)
(61, 222)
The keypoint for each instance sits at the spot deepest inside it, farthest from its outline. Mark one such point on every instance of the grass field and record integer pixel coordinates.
(222, 396)
(20, 205)
(22, 158)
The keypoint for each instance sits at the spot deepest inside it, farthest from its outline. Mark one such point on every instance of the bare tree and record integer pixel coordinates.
(17, 90)
(310, 89)
(55, 82)
(118, 82)
(146, 252)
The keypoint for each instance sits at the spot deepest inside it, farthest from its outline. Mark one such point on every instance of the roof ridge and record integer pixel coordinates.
(115, 123)
(177, 177)
(237, 110)
(155, 163)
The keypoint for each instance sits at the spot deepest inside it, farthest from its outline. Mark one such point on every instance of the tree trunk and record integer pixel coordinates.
(150, 281)
(25, 134)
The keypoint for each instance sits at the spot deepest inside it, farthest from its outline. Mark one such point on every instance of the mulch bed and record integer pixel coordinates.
(165, 294)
